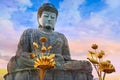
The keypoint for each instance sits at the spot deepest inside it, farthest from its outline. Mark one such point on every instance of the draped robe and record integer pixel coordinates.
(20, 66)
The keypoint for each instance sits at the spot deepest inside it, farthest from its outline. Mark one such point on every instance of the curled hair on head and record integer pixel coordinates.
(47, 7)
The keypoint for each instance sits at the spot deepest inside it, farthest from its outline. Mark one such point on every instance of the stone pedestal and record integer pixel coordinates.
(73, 70)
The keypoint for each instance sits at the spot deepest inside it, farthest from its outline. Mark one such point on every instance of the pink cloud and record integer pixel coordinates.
(3, 63)
(9, 37)
(79, 50)
(83, 45)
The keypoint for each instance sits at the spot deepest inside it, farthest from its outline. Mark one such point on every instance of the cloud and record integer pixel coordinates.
(23, 4)
(68, 12)
(9, 7)
(80, 47)
(101, 24)
(81, 32)
(113, 4)
(3, 63)
(9, 37)
(6, 58)
(10, 30)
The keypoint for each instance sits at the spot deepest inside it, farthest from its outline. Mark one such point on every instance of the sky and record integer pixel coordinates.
(83, 22)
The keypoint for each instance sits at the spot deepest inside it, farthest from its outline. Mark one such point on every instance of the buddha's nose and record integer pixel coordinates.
(49, 18)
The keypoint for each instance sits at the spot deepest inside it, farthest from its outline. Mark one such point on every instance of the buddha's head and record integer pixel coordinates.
(47, 16)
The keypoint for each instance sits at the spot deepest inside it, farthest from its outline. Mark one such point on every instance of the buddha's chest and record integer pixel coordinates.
(54, 39)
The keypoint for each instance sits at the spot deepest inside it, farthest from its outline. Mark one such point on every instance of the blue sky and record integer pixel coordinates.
(84, 22)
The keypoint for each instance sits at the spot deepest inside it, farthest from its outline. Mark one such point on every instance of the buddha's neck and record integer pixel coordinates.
(46, 30)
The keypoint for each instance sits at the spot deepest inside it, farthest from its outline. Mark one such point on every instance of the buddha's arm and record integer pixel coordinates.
(65, 49)
(24, 50)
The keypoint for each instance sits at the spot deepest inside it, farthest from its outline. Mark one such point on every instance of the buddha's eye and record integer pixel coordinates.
(52, 17)
(45, 15)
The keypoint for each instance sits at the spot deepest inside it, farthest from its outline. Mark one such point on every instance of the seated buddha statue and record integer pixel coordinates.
(21, 67)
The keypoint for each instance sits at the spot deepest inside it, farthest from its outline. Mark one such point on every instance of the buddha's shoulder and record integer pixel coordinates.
(58, 33)
(30, 30)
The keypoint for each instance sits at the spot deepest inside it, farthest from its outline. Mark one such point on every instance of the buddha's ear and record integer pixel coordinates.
(40, 21)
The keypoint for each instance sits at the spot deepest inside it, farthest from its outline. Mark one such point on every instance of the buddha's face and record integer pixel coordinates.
(47, 19)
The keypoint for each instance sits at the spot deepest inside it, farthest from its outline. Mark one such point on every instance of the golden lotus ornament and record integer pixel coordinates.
(102, 67)
(44, 62)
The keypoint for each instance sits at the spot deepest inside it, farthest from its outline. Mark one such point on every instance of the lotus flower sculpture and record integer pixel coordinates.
(42, 62)
(102, 67)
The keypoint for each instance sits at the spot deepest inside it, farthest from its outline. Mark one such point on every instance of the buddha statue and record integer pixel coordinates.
(21, 67)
